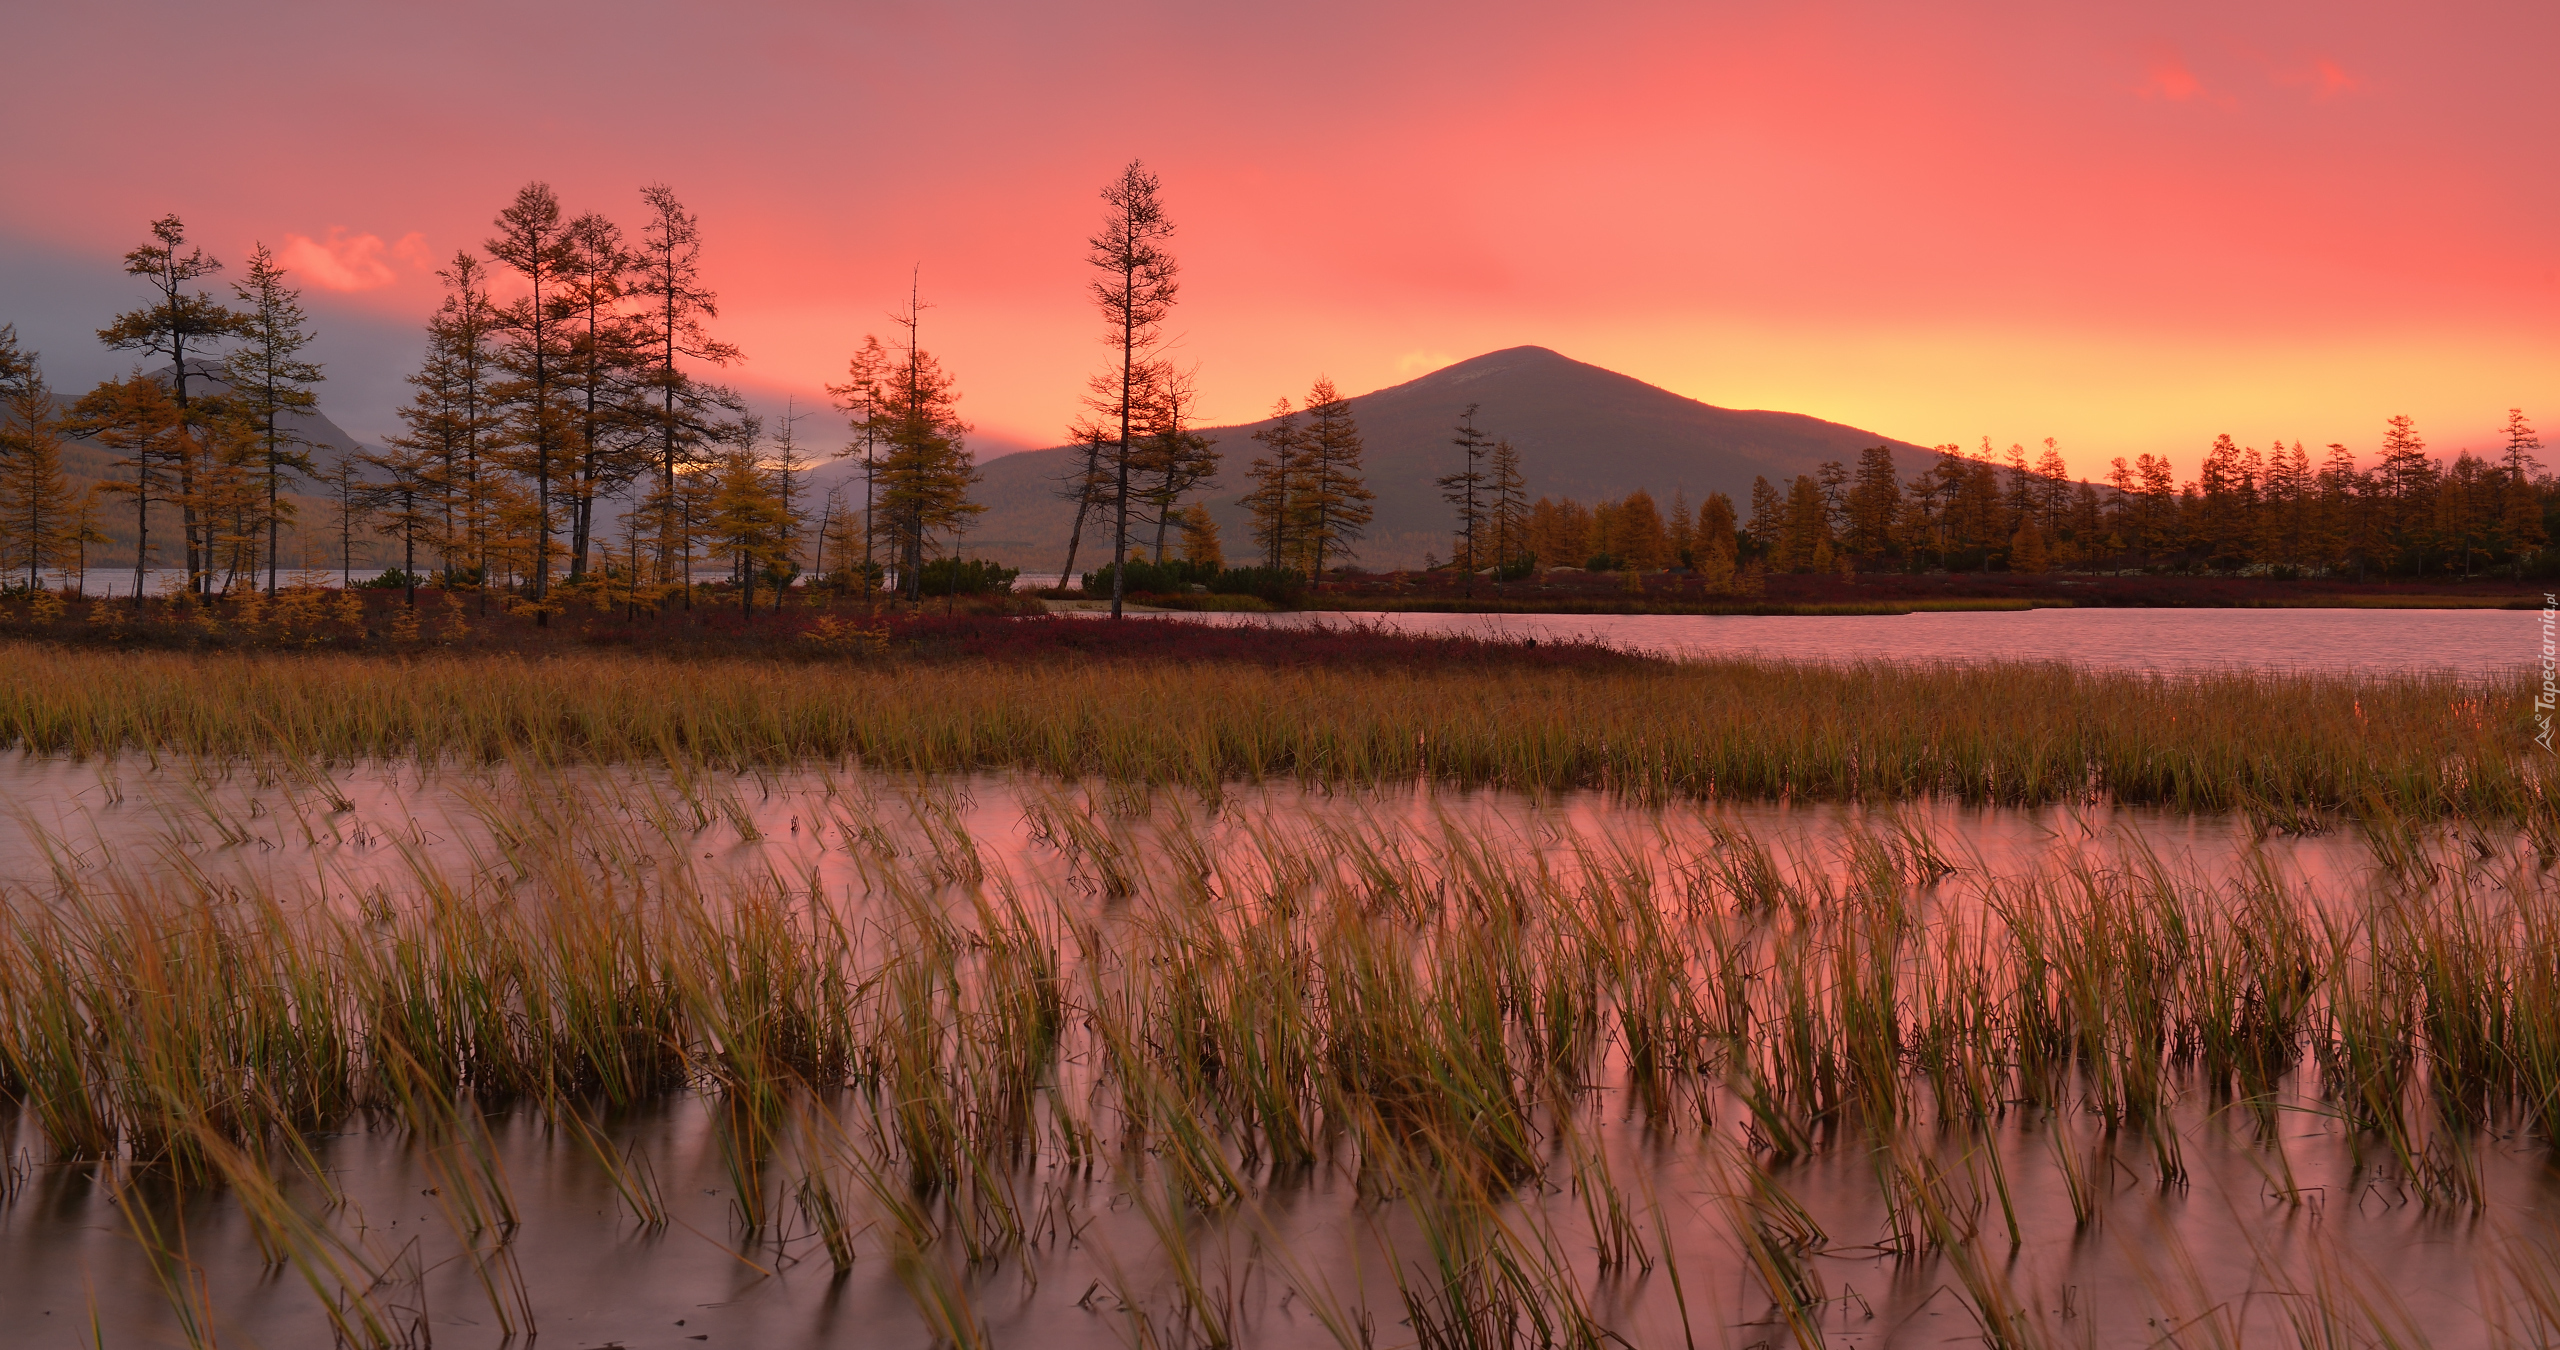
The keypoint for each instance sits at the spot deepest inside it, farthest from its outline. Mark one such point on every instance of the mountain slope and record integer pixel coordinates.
(1582, 432)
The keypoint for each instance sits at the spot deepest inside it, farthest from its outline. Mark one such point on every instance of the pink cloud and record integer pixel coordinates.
(2169, 78)
(2328, 80)
(345, 262)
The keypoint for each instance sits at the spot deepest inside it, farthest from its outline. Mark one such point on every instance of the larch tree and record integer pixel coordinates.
(36, 502)
(1717, 541)
(1875, 502)
(1644, 541)
(1334, 504)
(748, 521)
(863, 399)
(2521, 523)
(1805, 528)
(87, 509)
(789, 468)
(135, 420)
(1135, 291)
(1509, 513)
(1464, 489)
(455, 394)
(534, 242)
(402, 504)
(606, 368)
(346, 487)
(1174, 458)
(271, 385)
(1275, 476)
(1086, 481)
(2403, 484)
(180, 325)
(674, 303)
(926, 475)
(1200, 546)
(1768, 516)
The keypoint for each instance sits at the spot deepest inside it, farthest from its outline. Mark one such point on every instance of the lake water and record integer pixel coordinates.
(2256, 1220)
(2465, 641)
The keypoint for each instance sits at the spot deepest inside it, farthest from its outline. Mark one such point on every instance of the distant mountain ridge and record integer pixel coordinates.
(1582, 431)
(311, 428)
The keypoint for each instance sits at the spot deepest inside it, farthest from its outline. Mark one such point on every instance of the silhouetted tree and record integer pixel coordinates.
(675, 304)
(926, 475)
(1276, 476)
(863, 400)
(534, 242)
(1334, 505)
(1464, 488)
(1173, 458)
(1135, 292)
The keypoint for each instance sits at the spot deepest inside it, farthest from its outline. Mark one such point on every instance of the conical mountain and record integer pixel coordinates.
(1582, 432)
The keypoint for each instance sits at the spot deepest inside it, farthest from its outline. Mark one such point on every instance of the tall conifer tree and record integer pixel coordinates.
(136, 420)
(605, 369)
(689, 412)
(180, 325)
(36, 502)
(1464, 489)
(926, 475)
(1275, 476)
(1333, 505)
(1510, 510)
(1174, 458)
(863, 399)
(271, 384)
(534, 242)
(1135, 292)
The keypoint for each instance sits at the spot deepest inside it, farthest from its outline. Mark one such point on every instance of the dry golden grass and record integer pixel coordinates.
(2420, 744)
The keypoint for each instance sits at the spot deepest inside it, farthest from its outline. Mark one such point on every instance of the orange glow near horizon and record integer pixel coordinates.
(2129, 232)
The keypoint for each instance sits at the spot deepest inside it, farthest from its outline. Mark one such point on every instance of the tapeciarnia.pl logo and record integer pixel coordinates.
(2549, 698)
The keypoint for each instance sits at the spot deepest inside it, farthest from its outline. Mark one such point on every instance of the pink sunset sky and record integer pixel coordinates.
(2128, 227)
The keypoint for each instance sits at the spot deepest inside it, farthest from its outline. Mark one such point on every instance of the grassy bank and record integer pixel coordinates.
(1492, 714)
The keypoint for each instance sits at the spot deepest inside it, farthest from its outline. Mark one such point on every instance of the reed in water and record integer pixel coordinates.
(1205, 1006)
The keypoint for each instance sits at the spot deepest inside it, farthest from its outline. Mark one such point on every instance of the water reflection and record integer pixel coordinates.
(2250, 1219)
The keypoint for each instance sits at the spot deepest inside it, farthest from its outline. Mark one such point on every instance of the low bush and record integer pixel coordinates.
(1173, 576)
(973, 576)
(1278, 586)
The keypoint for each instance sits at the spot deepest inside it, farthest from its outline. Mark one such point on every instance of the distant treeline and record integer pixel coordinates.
(2273, 512)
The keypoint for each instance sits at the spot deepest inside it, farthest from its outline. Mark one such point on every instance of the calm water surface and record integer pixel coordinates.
(2220, 1243)
(2467, 641)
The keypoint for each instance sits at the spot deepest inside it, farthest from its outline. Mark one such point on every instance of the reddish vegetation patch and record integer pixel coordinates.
(1003, 629)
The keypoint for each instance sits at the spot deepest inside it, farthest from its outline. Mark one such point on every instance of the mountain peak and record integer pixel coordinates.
(1509, 360)
(1582, 431)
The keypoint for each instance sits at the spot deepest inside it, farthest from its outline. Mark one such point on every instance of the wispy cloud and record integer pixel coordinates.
(2323, 77)
(351, 262)
(2168, 77)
